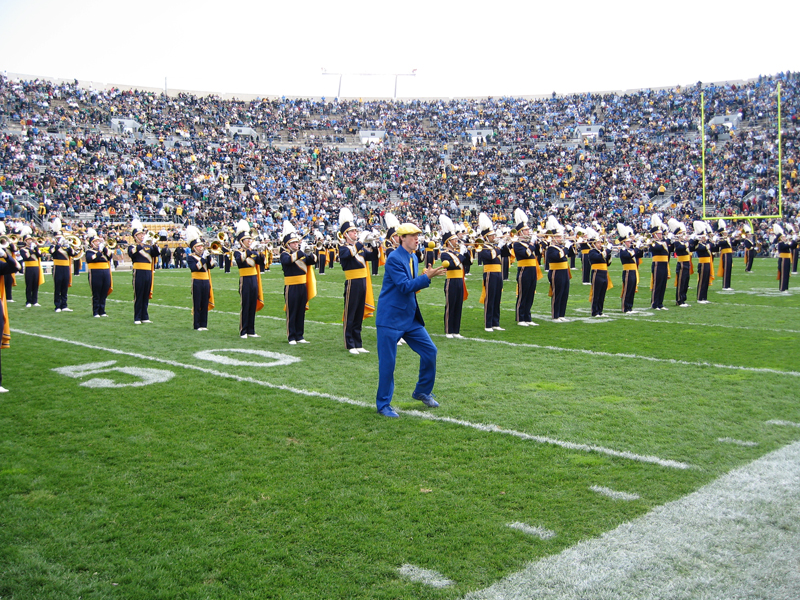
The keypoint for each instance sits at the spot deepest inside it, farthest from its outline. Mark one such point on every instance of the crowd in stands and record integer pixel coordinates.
(58, 149)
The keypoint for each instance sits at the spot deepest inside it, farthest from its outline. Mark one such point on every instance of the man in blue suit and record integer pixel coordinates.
(398, 316)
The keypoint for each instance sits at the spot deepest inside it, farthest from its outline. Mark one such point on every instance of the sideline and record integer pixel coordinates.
(344, 400)
(737, 537)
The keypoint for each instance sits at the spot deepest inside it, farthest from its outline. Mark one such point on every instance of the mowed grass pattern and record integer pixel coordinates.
(218, 487)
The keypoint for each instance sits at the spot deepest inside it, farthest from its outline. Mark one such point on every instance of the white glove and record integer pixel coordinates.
(206, 254)
(2, 253)
(100, 246)
(568, 245)
(303, 247)
(609, 246)
(501, 243)
(462, 249)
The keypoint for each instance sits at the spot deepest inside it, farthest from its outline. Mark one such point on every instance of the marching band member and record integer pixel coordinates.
(705, 262)
(491, 259)
(629, 257)
(659, 270)
(749, 247)
(143, 256)
(321, 251)
(528, 269)
(359, 302)
(684, 269)
(558, 273)
(784, 248)
(794, 247)
(599, 260)
(430, 253)
(63, 256)
(200, 263)
(249, 262)
(583, 247)
(32, 261)
(392, 241)
(8, 266)
(299, 284)
(454, 256)
(725, 256)
(375, 261)
(98, 264)
(10, 248)
(333, 252)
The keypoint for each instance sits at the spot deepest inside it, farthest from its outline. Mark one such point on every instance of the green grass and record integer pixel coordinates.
(211, 487)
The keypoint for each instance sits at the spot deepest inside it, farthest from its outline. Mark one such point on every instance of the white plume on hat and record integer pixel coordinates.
(136, 226)
(623, 231)
(484, 223)
(288, 228)
(346, 216)
(592, 235)
(721, 225)
(192, 234)
(675, 226)
(242, 227)
(789, 227)
(777, 229)
(55, 226)
(520, 216)
(746, 228)
(447, 224)
(655, 221)
(91, 233)
(552, 224)
(391, 221)
(700, 227)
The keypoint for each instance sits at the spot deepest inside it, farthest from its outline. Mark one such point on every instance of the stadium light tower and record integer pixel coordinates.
(413, 73)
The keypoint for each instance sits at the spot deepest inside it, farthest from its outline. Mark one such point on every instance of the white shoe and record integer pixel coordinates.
(532, 324)
(147, 321)
(292, 343)
(137, 322)
(10, 300)
(563, 320)
(253, 335)
(244, 337)
(104, 315)
(202, 329)
(303, 342)
(522, 323)
(448, 335)
(37, 304)
(363, 350)
(489, 329)
(66, 310)
(498, 328)
(97, 316)
(354, 351)
(727, 289)
(586, 283)
(58, 310)
(2, 389)
(684, 305)
(400, 342)
(664, 308)
(28, 305)
(458, 336)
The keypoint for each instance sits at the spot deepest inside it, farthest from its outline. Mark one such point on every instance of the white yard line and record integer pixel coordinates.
(344, 400)
(521, 345)
(737, 537)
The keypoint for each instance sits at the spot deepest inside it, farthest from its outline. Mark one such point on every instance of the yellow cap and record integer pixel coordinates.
(407, 229)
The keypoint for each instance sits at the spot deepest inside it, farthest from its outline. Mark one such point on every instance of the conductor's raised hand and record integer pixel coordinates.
(432, 271)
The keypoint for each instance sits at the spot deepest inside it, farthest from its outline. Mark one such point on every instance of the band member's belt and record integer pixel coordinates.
(248, 271)
(780, 255)
(630, 267)
(725, 251)
(528, 262)
(559, 266)
(455, 274)
(98, 265)
(684, 258)
(355, 274)
(660, 258)
(600, 267)
(61, 262)
(31, 263)
(202, 275)
(585, 251)
(142, 266)
(704, 260)
(295, 280)
(492, 268)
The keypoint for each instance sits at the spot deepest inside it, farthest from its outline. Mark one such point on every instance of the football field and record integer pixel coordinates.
(156, 461)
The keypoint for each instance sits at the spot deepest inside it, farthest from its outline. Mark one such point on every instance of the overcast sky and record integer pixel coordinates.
(458, 49)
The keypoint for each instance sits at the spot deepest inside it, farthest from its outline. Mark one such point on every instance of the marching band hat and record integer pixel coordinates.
(392, 224)
(243, 230)
(448, 228)
(136, 227)
(484, 225)
(521, 219)
(346, 220)
(289, 234)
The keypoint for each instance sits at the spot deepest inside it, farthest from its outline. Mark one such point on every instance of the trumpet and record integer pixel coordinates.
(74, 241)
(222, 236)
(216, 247)
(13, 238)
(5, 242)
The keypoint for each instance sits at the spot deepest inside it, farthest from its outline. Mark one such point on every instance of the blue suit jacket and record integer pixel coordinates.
(397, 303)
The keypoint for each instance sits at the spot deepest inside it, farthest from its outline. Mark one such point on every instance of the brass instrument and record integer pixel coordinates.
(74, 241)
(222, 236)
(13, 238)
(5, 241)
(216, 247)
